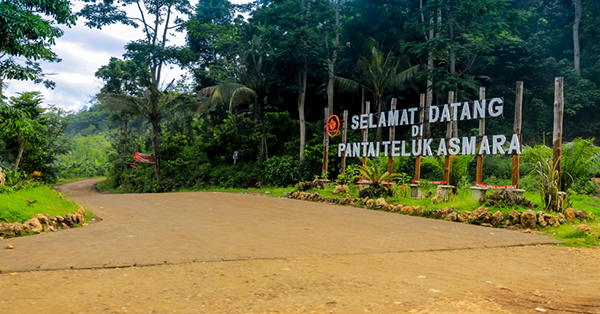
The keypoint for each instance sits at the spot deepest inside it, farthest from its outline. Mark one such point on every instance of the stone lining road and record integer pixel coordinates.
(151, 229)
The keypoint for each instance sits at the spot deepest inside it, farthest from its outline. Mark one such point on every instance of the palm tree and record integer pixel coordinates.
(252, 88)
(153, 105)
(380, 73)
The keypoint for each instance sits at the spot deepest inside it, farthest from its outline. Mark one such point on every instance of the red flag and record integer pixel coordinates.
(147, 158)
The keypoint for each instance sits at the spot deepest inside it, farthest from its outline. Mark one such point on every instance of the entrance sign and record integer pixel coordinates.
(333, 125)
(146, 158)
(420, 146)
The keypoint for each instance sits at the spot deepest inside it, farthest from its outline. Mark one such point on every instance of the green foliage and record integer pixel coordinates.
(458, 167)
(284, 171)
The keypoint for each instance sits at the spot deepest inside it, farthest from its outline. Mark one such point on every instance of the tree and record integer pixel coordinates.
(19, 123)
(157, 18)
(28, 29)
(154, 105)
(380, 73)
(576, 50)
(254, 84)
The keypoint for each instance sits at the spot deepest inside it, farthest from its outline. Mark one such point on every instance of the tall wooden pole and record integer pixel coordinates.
(344, 136)
(479, 172)
(366, 131)
(325, 142)
(559, 106)
(517, 130)
(390, 165)
(421, 122)
(448, 137)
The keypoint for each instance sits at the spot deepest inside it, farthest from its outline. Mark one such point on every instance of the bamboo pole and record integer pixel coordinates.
(344, 137)
(448, 137)
(421, 120)
(390, 165)
(366, 131)
(479, 172)
(559, 105)
(325, 142)
(517, 130)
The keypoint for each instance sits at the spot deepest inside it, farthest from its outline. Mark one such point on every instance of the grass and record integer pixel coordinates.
(574, 238)
(16, 206)
(67, 180)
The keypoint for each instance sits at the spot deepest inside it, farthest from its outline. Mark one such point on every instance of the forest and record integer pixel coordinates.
(261, 75)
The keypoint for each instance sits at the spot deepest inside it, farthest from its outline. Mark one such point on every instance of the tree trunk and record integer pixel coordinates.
(430, 65)
(455, 122)
(21, 149)
(1, 86)
(264, 154)
(156, 150)
(576, 50)
(301, 98)
(378, 135)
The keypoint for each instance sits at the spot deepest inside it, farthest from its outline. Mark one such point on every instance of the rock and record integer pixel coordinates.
(71, 220)
(453, 216)
(355, 201)
(554, 222)
(438, 196)
(381, 203)
(541, 219)
(9, 247)
(369, 203)
(341, 189)
(580, 215)
(485, 224)
(514, 217)
(583, 228)
(346, 200)
(528, 219)
(33, 225)
(464, 217)
(527, 231)
(592, 217)
(581, 239)
(397, 208)
(407, 210)
(445, 212)
(63, 225)
(561, 218)
(497, 218)
(60, 219)
(417, 211)
(570, 214)
(42, 219)
(267, 192)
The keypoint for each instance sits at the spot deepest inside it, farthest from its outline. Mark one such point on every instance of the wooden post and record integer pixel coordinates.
(421, 120)
(390, 165)
(448, 137)
(344, 135)
(366, 131)
(479, 173)
(559, 105)
(517, 130)
(325, 143)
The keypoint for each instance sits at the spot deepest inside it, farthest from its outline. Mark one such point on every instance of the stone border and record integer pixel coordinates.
(43, 223)
(526, 220)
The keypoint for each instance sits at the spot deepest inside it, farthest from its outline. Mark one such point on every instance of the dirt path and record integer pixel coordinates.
(233, 253)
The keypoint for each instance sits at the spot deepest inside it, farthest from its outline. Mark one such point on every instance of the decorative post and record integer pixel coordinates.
(517, 130)
(448, 137)
(421, 120)
(390, 165)
(344, 134)
(559, 105)
(479, 173)
(366, 131)
(325, 142)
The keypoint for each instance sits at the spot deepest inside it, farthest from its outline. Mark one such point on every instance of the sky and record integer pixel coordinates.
(83, 51)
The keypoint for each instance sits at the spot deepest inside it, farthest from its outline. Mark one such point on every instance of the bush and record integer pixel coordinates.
(285, 171)
(506, 198)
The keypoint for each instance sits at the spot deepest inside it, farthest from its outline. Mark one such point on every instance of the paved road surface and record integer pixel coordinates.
(151, 229)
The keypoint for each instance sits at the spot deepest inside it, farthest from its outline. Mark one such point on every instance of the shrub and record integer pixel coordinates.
(506, 198)
(284, 171)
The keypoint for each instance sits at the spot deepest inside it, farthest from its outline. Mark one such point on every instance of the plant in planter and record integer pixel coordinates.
(377, 179)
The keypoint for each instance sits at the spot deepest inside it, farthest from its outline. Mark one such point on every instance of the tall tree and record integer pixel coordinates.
(27, 29)
(158, 19)
(576, 50)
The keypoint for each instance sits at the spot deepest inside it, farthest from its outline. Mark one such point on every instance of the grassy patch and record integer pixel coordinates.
(21, 205)
(575, 238)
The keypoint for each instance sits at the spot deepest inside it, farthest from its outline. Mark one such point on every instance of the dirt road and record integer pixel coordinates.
(233, 253)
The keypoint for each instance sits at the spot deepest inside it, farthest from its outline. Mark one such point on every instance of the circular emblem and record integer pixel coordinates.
(333, 125)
